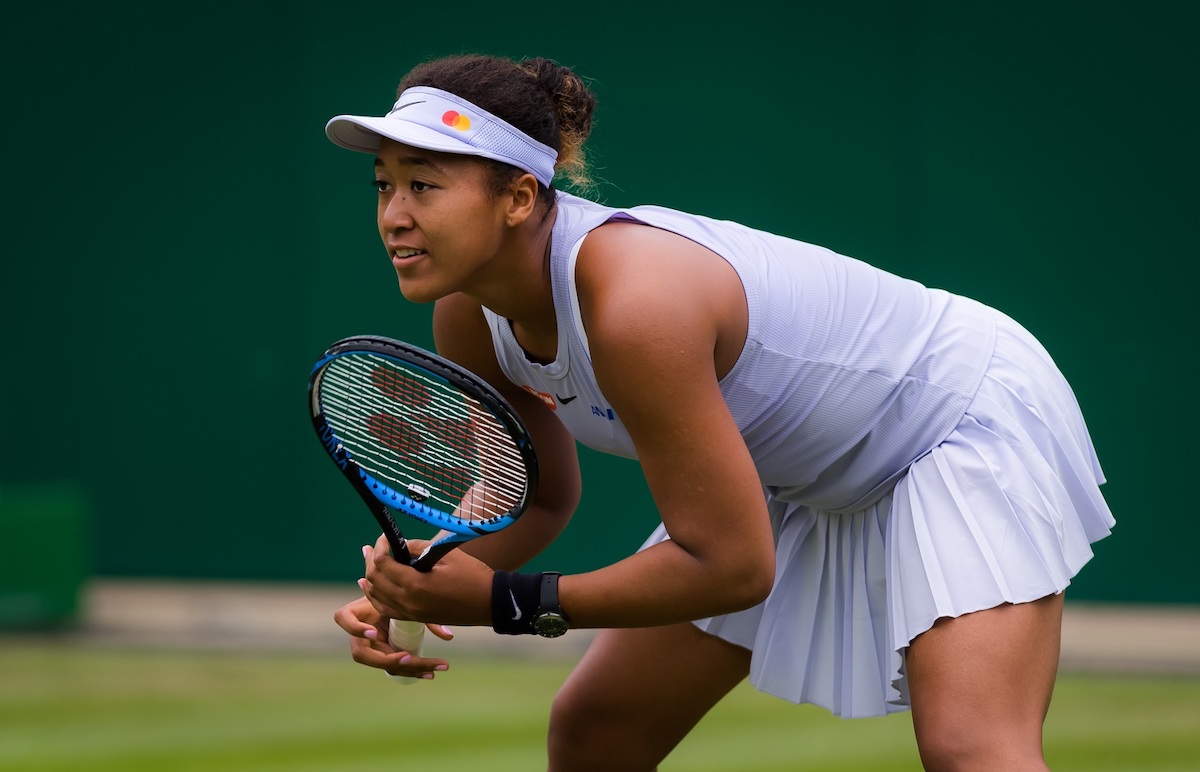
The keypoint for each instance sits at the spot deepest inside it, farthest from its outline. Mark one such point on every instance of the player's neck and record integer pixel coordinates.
(517, 284)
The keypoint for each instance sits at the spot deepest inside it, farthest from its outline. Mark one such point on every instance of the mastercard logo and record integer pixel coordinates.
(456, 120)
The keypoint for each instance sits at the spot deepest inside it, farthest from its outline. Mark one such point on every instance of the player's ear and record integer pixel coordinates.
(522, 199)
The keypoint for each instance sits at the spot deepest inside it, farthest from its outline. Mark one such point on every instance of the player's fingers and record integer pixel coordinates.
(376, 559)
(380, 655)
(416, 547)
(380, 550)
(352, 625)
(379, 601)
(373, 558)
(381, 553)
(441, 631)
(374, 654)
(358, 618)
(417, 667)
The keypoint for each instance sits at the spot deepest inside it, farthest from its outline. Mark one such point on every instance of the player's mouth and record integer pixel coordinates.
(406, 256)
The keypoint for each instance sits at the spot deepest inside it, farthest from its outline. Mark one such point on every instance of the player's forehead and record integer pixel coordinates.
(393, 154)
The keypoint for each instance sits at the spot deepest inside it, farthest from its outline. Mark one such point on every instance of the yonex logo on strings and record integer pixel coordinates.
(456, 120)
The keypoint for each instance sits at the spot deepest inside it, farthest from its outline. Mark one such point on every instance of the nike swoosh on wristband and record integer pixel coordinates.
(516, 608)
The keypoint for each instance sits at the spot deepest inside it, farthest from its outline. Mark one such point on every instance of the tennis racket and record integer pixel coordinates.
(416, 433)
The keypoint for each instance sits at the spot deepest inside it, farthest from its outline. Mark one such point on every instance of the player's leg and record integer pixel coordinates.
(636, 693)
(981, 684)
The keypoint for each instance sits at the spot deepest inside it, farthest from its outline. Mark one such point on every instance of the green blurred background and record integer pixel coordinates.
(187, 241)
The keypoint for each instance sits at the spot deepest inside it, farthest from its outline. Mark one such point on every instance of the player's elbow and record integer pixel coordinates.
(759, 586)
(750, 584)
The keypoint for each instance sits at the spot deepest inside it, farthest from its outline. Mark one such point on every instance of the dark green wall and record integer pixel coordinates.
(187, 241)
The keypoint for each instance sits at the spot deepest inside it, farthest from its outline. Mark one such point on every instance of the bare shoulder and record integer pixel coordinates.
(649, 251)
(654, 291)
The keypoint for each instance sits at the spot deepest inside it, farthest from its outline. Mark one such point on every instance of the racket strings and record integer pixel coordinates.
(423, 437)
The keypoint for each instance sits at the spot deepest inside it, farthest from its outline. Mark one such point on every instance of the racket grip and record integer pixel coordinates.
(406, 636)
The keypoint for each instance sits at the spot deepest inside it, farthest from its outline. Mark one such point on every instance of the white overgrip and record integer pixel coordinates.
(406, 636)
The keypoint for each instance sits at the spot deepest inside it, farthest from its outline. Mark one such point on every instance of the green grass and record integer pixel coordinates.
(67, 708)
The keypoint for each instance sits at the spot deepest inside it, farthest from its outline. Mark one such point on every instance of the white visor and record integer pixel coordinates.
(433, 119)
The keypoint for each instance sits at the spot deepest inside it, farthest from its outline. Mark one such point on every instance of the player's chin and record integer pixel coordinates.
(419, 291)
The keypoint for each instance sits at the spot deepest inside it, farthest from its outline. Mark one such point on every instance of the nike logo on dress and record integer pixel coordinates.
(516, 608)
(565, 400)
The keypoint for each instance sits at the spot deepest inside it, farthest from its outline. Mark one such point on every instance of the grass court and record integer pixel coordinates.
(70, 708)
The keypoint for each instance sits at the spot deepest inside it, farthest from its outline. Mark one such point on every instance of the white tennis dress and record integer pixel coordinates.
(920, 453)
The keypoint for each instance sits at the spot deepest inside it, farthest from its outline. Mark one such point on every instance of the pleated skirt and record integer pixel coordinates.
(1003, 510)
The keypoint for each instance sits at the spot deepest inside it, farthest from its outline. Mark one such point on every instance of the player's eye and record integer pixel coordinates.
(380, 185)
(420, 187)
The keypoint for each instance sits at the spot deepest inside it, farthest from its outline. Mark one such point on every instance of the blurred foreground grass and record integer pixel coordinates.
(68, 708)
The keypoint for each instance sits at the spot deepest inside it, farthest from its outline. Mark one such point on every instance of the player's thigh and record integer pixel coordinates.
(980, 684)
(644, 687)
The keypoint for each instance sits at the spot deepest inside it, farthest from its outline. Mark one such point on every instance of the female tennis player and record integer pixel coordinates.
(873, 494)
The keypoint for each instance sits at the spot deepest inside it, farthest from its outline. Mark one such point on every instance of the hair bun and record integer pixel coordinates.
(574, 105)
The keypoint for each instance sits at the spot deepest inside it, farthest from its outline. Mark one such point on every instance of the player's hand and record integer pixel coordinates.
(458, 590)
(369, 642)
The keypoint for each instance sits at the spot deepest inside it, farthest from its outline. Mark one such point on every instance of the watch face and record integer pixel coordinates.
(550, 625)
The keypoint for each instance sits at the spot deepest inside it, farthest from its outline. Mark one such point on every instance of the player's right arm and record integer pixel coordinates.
(462, 335)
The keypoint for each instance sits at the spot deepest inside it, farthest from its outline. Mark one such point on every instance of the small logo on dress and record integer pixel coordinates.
(566, 400)
(604, 412)
(456, 120)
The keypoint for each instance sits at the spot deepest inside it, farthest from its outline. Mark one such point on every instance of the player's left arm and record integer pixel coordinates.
(664, 316)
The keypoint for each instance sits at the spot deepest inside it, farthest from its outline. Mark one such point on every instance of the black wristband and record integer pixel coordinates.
(515, 599)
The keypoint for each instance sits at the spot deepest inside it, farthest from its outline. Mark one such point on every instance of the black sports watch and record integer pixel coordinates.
(549, 621)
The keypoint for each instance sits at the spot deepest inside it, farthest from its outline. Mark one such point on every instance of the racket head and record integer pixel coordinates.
(418, 433)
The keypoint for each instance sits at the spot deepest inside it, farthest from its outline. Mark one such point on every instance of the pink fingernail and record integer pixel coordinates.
(372, 633)
(406, 659)
(442, 667)
(427, 676)
(366, 550)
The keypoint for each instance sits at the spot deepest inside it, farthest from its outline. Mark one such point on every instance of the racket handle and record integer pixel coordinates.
(406, 636)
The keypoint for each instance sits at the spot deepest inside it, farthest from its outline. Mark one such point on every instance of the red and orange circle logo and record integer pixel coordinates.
(456, 120)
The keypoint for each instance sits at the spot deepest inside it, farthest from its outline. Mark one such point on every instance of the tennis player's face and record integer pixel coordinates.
(436, 218)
